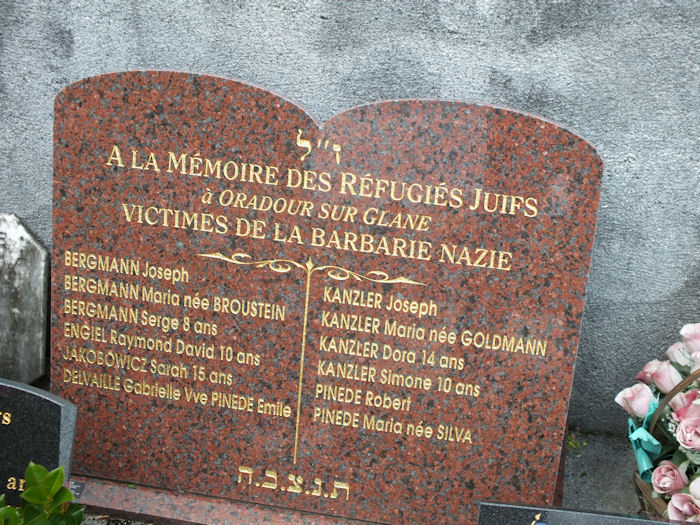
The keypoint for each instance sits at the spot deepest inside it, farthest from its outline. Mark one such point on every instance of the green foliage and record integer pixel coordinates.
(45, 501)
(573, 442)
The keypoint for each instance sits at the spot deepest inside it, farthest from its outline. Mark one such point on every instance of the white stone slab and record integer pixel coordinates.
(23, 302)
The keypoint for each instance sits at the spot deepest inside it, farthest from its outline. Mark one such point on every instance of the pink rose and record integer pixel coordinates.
(665, 377)
(683, 405)
(645, 375)
(691, 337)
(688, 433)
(683, 507)
(667, 479)
(677, 353)
(695, 489)
(635, 400)
(683, 399)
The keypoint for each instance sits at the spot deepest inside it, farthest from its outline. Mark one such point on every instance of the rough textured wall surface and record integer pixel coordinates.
(622, 74)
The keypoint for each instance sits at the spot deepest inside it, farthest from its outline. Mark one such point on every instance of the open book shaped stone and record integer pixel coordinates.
(376, 317)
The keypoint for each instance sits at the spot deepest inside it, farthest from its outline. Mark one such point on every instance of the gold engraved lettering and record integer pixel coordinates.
(174, 218)
(270, 484)
(454, 433)
(296, 481)
(130, 341)
(104, 311)
(14, 483)
(279, 205)
(353, 322)
(102, 263)
(403, 221)
(238, 402)
(338, 393)
(396, 329)
(337, 212)
(120, 290)
(93, 379)
(309, 180)
(374, 244)
(321, 144)
(372, 187)
(351, 371)
(243, 471)
(503, 203)
(398, 355)
(340, 485)
(109, 359)
(376, 424)
(334, 272)
(352, 296)
(270, 480)
(115, 156)
(197, 166)
(151, 163)
(303, 143)
(167, 369)
(144, 388)
(387, 402)
(349, 346)
(317, 491)
(246, 308)
(391, 378)
(477, 257)
(275, 409)
(340, 418)
(171, 275)
(504, 342)
(294, 236)
(5, 418)
(156, 296)
(417, 308)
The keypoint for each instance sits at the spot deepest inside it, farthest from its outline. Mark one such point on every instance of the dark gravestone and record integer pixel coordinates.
(23, 300)
(34, 426)
(499, 514)
(377, 318)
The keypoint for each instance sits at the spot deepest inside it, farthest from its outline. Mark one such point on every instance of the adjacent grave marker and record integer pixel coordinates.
(498, 514)
(23, 300)
(375, 318)
(34, 426)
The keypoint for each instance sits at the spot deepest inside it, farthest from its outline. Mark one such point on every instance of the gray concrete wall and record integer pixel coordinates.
(623, 74)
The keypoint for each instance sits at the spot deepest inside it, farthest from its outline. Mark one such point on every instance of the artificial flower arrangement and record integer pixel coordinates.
(665, 431)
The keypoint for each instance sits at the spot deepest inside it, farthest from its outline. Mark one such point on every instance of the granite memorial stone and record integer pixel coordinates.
(373, 318)
(23, 300)
(34, 426)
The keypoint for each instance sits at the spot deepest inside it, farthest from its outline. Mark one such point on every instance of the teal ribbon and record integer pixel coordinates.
(646, 447)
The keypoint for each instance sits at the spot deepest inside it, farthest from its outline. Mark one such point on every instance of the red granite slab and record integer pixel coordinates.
(375, 318)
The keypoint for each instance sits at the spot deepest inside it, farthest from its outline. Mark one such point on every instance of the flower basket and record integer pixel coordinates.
(652, 504)
(665, 431)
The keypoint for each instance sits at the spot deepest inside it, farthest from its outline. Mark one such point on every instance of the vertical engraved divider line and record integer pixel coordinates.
(301, 368)
(334, 272)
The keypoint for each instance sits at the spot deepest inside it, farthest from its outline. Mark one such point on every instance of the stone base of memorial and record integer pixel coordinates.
(136, 502)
